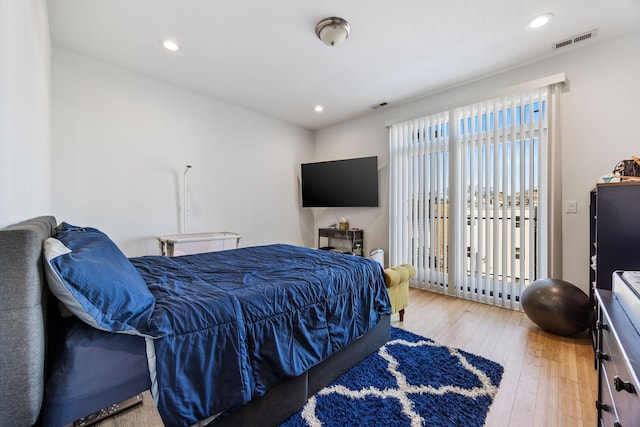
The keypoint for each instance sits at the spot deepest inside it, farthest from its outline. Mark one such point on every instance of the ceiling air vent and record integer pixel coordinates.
(575, 39)
(376, 106)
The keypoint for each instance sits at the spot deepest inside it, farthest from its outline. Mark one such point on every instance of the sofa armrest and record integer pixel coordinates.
(391, 277)
(400, 273)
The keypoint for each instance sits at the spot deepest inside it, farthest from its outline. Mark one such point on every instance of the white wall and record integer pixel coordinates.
(359, 138)
(121, 140)
(120, 145)
(25, 52)
(599, 111)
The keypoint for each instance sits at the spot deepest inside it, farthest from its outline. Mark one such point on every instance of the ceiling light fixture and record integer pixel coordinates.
(541, 20)
(318, 109)
(333, 31)
(170, 45)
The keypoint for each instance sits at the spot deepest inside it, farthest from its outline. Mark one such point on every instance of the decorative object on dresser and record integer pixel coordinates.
(628, 169)
(618, 349)
(557, 306)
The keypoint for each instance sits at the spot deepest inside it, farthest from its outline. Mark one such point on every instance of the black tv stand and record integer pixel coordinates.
(352, 241)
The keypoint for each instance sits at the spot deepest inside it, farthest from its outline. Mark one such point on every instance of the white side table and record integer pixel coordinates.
(195, 243)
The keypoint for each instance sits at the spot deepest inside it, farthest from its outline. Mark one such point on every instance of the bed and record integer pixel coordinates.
(234, 344)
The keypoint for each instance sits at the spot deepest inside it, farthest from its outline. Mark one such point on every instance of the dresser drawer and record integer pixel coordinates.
(608, 414)
(620, 383)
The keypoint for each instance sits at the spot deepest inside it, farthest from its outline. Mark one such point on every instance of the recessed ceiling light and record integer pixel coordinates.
(170, 45)
(318, 108)
(540, 20)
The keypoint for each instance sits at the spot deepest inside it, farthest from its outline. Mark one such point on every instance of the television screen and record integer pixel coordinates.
(340, 183)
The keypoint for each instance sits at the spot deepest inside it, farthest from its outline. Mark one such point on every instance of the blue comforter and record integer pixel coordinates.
(237, 322)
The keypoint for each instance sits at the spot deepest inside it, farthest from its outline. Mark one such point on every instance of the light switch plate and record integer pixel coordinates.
(572, 206)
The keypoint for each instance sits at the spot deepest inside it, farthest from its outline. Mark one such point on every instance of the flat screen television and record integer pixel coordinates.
(340, 183)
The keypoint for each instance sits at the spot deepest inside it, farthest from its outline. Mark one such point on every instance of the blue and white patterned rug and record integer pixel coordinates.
(410, 381)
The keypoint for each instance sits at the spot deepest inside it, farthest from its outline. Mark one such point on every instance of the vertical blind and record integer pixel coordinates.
(465, 197)
(419, 198)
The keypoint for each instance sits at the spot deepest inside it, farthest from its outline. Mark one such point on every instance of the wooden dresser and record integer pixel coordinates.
(615, 230)
(615, 235)
(618, 357)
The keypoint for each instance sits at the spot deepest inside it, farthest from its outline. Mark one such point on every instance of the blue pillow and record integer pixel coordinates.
(95, 281)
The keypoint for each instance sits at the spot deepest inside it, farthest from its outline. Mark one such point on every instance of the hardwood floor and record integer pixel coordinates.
(549, 380)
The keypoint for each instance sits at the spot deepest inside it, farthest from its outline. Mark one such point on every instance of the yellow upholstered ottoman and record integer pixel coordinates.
(397, 280)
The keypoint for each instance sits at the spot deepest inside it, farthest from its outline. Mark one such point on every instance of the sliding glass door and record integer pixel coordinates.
(465, 187)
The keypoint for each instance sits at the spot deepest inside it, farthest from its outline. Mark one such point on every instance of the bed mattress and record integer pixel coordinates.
(244, 320)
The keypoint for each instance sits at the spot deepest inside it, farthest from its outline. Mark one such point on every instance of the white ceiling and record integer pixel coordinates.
(264, 55)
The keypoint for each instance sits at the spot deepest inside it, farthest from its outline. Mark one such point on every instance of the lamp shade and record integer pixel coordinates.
(333, 30)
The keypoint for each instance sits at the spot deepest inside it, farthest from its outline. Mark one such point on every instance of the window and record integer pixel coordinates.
(464, 198)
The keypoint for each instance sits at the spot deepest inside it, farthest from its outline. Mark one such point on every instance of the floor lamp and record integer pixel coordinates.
(184, 203)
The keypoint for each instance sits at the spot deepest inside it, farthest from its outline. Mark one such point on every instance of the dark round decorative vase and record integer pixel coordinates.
(557, 306)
